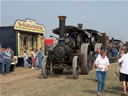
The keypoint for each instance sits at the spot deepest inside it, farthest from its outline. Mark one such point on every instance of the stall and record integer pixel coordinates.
(30, 36)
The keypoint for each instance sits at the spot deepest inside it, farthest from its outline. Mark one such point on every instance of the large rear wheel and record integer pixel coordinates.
(98, 46)
(87, 62)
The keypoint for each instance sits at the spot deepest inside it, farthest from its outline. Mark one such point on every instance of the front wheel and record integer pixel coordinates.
(44, 67)
(75, 67)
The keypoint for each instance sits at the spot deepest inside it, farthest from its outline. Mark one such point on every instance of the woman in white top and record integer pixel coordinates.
(101, 63)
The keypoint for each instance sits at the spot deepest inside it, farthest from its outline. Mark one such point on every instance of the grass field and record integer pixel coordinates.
(27, 82)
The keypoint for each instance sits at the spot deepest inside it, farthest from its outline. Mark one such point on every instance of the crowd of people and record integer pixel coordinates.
(35, 61)
(5, 60)
(102, 65)
(6, 56)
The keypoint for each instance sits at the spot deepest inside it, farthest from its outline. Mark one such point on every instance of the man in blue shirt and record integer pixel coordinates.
(114, 54)
(2, 62)
(40, 58)
(7, 59)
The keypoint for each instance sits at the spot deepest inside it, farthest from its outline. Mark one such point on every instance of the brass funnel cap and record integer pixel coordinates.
(80, 25)
(62, 17)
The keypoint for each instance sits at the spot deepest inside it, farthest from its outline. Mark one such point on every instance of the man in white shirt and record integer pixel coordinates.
(124, 71)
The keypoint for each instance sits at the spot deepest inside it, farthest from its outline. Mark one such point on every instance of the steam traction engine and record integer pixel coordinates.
(73, 51)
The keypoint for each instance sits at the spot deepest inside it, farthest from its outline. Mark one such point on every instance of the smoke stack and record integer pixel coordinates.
(61, 26)
(80, 26)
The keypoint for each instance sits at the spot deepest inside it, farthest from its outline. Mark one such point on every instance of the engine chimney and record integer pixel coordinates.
(80, 26)
(61, 26)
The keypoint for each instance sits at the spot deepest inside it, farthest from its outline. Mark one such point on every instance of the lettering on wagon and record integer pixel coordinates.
(29, 25)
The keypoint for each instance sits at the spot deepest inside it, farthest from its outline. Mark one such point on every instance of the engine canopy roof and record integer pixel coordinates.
(71, 30)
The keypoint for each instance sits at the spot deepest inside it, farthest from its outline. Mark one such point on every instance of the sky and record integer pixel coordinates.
(109, 16)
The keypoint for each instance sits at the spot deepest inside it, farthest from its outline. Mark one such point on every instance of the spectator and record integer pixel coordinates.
(101, 64)
(25, 60)
(124, 72)
(108, 52)
(96, 56)
(7, 60)
(2, 61)
(98, 53)
(114, 54)
(37, 59)
(121, 53)
(33, 58)
(40, 58)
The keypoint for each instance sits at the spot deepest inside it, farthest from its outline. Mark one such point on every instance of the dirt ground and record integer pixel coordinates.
(28, 82)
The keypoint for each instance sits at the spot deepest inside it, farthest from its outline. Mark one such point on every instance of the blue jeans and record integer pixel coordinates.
(40, 63)
(96, 76)
(37, 62)
(25, 63)
(2, 67)
(8, 63)
(101, 75)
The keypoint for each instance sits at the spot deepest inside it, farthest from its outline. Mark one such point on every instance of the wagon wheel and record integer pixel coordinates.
(75, 67)
(87, 60)
(45, 70)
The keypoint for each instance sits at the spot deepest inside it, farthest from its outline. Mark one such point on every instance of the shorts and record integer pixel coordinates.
(33, 60)
(123, 77)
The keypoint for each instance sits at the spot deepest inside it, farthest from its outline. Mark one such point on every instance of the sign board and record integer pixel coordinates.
(49, 41)
(29, 25)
